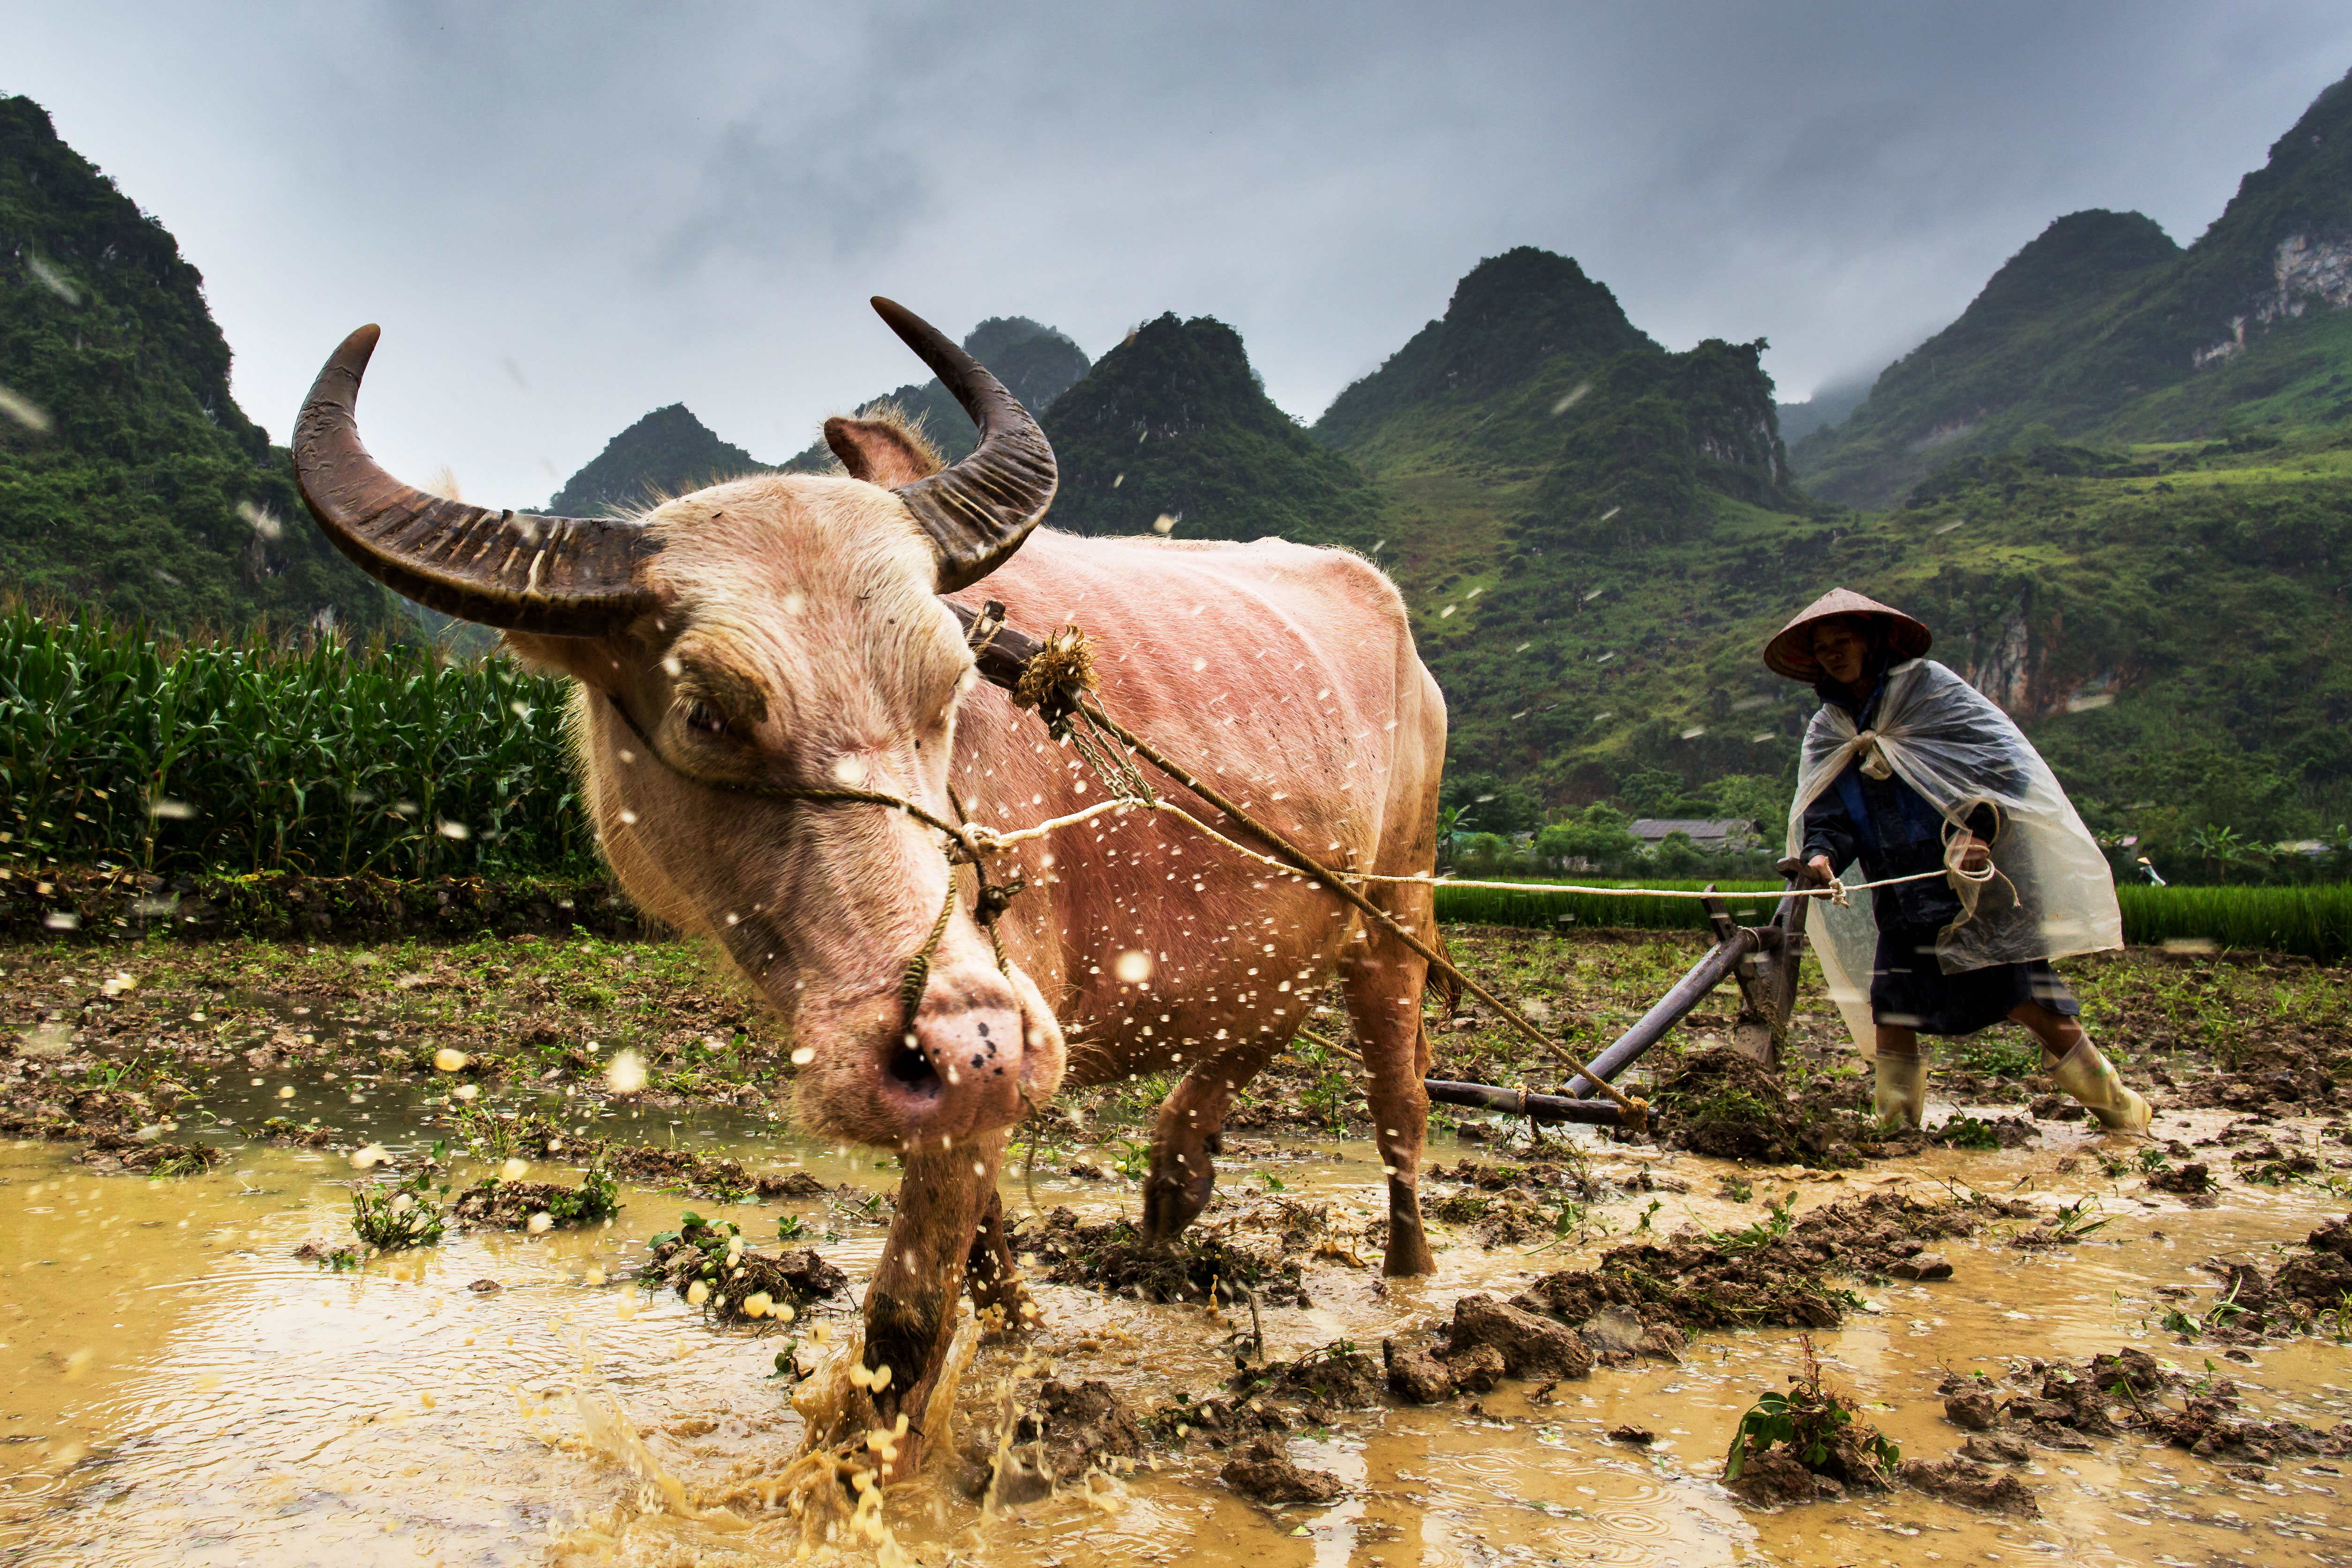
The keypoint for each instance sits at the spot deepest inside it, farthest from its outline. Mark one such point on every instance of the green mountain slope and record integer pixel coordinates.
(667, 453)
(1173, 424)
(2102, 329)
(1564, 492)
(129, 476)
(1035, 362)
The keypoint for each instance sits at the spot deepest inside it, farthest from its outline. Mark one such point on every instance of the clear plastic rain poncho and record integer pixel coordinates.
(2053, 894)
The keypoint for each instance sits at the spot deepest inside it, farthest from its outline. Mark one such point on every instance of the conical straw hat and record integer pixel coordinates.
(1791, 653)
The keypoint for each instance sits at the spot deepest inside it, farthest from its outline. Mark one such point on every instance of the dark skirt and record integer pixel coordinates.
(1910, 990)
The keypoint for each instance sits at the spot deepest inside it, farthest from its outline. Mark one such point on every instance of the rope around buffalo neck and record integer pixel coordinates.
(1055, 681)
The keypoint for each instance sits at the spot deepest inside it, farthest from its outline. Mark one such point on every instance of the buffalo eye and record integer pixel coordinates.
(701, 716)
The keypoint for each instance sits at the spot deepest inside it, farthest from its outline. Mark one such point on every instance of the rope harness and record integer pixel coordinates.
(1053, 677)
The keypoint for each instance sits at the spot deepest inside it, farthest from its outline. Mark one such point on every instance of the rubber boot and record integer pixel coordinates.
(2092, 1080)
(1902, 1092)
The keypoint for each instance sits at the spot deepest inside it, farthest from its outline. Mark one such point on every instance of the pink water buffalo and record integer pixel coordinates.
(793, 631)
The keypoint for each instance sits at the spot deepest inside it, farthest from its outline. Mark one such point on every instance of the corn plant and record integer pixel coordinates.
(119, 748)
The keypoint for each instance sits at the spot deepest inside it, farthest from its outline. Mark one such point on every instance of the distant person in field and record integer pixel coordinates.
(1907, 769)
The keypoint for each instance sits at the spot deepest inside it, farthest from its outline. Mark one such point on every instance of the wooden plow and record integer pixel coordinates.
(1762, 959)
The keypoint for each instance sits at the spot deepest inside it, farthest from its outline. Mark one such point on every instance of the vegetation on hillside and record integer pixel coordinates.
(129, 476)
(1174, 424)
(2103, 329)
(667, 453)
(1035, 362)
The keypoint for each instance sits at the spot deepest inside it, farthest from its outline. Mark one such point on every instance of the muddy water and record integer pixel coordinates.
(179, 1388)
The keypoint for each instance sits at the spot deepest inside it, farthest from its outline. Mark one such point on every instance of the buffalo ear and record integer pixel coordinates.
(884, 452)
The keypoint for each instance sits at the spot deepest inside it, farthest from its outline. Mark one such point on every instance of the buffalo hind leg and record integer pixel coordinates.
(992, 1276)
(910, 1308)
(1191, 1129)
(1381, 980)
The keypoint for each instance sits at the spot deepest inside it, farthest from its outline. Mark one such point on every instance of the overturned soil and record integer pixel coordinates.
(1112, 1256)
(1781, 1271)
(1722, 1103)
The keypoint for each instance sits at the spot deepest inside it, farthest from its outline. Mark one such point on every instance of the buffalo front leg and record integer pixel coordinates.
(1381, 980)
(992, 1275)
(1191, 1129)
(910, 1308)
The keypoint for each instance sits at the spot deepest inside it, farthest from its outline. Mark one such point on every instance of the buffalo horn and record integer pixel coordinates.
(562, 576)
(978, 511)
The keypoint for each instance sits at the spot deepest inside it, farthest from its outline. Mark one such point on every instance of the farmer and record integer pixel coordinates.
(1909, 771)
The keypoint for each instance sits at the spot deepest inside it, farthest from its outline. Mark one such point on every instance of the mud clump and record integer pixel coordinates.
(1221, 1423)
(1114, 1257)
(2192, 1181)
(1972, 1409)
(1973, 1132)
(709, 1266)
(1512, 1205)
(1415, 1376)
(1775, 1273)
(524, 1205)
(1338, 1377)
(2065, 1407)
(1265, 1470)
(2307, 1293)
(2208, 1428)
(1725, 1106)
(294, 1135)
(1966, 1481)
(110, 1149)
(1530, 1345)
(1808, 1442)
(1073, 1426)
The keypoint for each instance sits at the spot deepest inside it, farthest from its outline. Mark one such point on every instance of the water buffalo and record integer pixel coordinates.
(795, 632)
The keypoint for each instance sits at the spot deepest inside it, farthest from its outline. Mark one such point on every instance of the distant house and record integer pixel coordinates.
(1718, 833)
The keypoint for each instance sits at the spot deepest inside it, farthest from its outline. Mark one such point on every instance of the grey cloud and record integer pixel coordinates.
(641, 205)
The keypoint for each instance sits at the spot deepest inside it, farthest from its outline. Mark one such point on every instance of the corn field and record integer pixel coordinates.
(117, 749)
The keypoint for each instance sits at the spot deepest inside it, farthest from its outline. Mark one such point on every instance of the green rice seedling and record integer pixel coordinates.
(2314, 921)
(1751, 904)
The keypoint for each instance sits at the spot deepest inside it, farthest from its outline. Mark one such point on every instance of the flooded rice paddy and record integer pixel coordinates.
(179, 1387)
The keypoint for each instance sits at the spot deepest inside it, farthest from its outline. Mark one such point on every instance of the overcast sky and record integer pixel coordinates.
(567, 214)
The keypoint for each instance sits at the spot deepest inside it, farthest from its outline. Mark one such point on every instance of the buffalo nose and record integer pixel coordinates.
(957, 1071)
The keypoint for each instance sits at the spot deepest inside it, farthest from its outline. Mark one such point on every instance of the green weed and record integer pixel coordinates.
(393, 1218)
(1968, 1133)
(1808, 1420)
